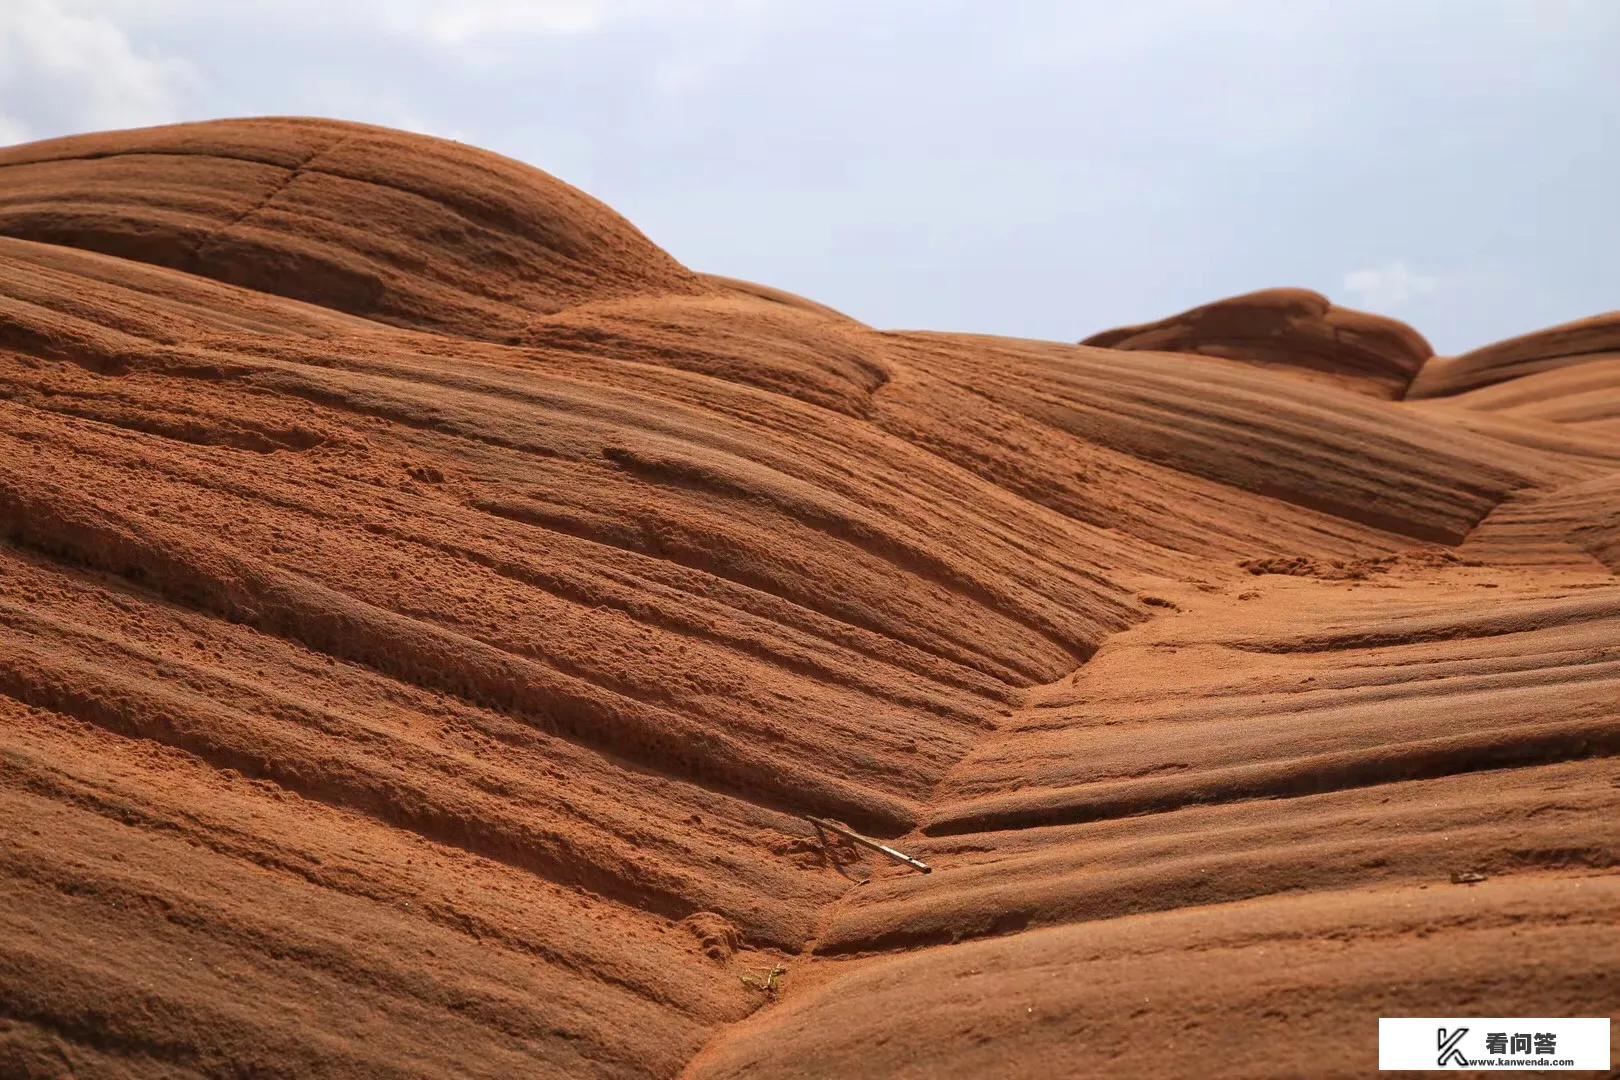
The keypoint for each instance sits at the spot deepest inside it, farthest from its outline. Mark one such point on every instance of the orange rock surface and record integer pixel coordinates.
(428, 611)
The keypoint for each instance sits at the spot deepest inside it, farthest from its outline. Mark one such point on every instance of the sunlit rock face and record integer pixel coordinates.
(428, 612)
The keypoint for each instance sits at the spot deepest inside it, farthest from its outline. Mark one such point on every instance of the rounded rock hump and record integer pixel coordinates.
(1585, 341)
(405, 229)
(1293, 328)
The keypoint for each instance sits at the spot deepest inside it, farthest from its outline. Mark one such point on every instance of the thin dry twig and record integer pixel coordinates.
(867, 841)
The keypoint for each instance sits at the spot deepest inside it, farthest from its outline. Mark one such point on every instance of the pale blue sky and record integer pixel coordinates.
(1038, 169)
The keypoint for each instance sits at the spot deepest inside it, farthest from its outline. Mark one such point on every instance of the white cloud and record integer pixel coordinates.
(473, 22)
(1388, 287)
(68, 70)
(476, 20)
(12, 131)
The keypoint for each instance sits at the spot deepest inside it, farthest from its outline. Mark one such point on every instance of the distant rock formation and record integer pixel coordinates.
(1585, 341)
(1293, 328)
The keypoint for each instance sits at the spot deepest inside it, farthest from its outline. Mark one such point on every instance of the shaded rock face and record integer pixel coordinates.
(428, 612)
(1292, 328)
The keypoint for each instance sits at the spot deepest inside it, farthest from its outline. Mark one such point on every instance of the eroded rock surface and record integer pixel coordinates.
(427, 611)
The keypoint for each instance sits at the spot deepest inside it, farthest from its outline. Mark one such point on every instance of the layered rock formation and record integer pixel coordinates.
(1290, 328)
(427, 611)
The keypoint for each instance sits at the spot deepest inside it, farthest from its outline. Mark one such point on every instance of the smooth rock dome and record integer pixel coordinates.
(1294, 328)
(404, 229)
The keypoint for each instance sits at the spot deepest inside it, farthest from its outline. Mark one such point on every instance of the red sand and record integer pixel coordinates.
(427, 609)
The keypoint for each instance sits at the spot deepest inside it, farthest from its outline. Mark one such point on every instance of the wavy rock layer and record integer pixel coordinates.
(427, 611)
(1290, 328)
(411, 231)
(1573, 345)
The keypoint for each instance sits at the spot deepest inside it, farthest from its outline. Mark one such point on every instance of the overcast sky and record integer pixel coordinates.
(1042, 169)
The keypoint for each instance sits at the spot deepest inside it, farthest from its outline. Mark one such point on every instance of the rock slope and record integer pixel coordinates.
(428, 611)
